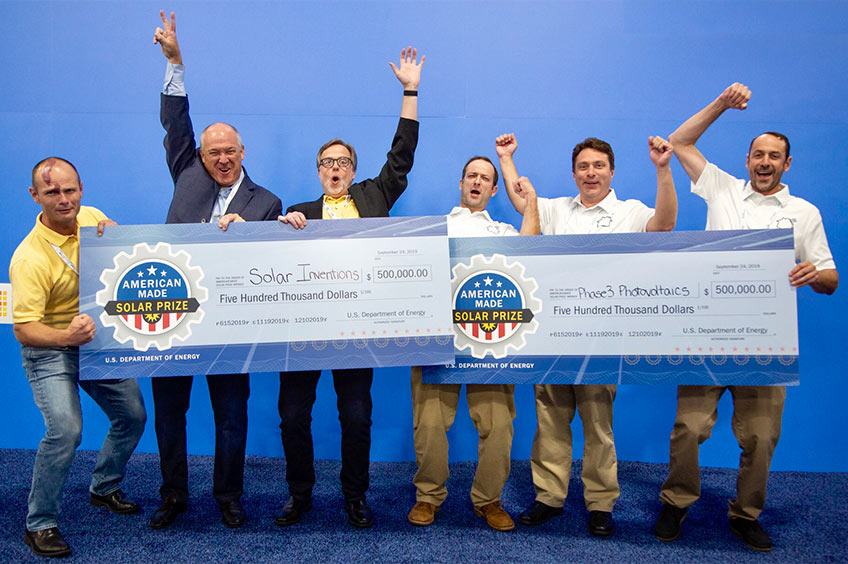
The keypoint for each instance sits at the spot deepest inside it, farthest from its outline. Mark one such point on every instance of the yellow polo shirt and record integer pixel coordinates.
(44, 288)
(339, 208)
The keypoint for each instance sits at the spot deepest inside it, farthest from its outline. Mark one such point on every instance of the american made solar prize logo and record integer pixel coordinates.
(151, 297)
(493, 306)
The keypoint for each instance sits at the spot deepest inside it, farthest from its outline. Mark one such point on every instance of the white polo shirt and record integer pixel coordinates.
(733, 204)
(462, 222)
(568, 216)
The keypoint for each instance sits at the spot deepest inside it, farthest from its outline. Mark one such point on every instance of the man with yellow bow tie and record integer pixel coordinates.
(342, 199)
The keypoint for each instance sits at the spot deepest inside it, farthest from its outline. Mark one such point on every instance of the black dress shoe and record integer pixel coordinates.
(232, 514)
(538, 513)
(601, 523)
(752, 533)
(359, 514)
(292, 511)
(668, 523)
(166, 514)
(114, 502)
(48, 542)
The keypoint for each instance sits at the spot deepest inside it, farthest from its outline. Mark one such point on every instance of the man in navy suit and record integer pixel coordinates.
(344, 199)
(209, 185)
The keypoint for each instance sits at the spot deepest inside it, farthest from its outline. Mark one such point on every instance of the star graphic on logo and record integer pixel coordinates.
(476, 284)
(140, 273)
(152, 270)
(500, 284)
(488, 280)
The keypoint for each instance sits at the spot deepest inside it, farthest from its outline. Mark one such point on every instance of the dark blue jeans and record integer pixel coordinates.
(53, 374)
(229, 393)
(353, 393)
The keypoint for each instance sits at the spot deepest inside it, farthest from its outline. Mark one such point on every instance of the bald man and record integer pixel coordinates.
(210, 185)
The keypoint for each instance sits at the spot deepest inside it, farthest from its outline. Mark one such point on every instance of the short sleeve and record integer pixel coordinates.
(712, 182)
(30, 290)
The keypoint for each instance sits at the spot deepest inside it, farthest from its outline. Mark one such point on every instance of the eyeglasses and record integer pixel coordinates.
(344, 162)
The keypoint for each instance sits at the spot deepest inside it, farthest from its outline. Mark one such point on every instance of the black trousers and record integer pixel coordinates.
(229, 393)
(353, 393)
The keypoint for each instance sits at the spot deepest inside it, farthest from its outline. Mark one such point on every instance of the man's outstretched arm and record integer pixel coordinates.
(736, 97)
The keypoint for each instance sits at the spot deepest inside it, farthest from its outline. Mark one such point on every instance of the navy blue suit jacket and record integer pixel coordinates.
(195, 191)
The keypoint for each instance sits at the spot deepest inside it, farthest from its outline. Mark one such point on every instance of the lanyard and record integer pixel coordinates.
(225, 196)
(65, 258)
(331, 213)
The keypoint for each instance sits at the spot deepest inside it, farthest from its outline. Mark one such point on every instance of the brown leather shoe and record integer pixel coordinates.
(423, 513)
(495, 516)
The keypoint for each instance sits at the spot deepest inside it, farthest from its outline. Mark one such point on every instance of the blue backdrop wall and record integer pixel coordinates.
(82, 81)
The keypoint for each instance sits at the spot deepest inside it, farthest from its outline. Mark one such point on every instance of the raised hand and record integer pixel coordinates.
(505, 145)
(735, 97)
(660, 151)
(409, 72)
(80, 331)
(166, 37)
(523, 188)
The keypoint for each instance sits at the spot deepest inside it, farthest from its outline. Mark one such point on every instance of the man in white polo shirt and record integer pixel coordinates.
(491, 406)
(596, 209)
(762, 202)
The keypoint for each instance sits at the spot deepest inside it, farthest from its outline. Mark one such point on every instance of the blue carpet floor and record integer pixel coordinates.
(806, 516)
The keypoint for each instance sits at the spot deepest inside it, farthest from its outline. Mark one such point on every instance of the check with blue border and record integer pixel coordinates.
(190, 299)
(705, 307)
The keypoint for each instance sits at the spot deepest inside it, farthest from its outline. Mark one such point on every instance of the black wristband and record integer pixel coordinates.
(410, 92)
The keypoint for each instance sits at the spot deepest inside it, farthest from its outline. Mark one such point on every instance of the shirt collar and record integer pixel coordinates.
(609, 202)
(459, 211)
(49, 235)
(330, 200)
(782, 196)
(236, 184)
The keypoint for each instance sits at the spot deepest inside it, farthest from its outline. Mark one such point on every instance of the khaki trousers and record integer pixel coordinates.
(492, 410)
(550, 459)
(757, 413)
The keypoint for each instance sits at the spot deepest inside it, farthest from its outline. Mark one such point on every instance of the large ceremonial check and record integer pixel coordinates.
(705, 307)
(188, 299)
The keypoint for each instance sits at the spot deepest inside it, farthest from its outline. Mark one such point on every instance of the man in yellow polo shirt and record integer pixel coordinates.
(342, 199)
(45, 312)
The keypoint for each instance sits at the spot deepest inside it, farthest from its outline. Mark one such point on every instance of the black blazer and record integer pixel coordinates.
(376, 196)
(195, 191)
